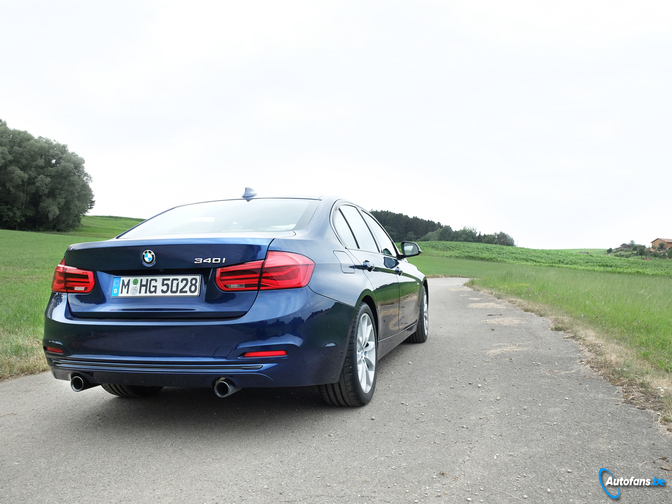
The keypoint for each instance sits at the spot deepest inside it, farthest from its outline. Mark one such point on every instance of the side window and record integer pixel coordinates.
(386, 245)
(344, 231)
(364, 237)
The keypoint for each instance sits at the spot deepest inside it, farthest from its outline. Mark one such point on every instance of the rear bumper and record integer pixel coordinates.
(311, 328)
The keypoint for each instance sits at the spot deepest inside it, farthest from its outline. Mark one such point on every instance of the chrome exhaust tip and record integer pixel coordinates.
(78, 383)
(224, 388)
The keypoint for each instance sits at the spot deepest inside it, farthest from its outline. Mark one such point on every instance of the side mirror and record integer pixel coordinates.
(410, 249)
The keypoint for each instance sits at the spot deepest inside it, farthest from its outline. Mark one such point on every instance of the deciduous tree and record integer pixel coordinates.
(43, 186)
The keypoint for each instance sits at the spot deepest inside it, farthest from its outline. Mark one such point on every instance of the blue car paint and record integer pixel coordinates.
(186, 343)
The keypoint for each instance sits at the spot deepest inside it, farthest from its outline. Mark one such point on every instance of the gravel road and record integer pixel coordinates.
(494, 408)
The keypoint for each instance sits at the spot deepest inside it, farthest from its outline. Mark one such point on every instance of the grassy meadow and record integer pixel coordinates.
(27, 263)
(595, 260)
(103, 227)
(632, 308)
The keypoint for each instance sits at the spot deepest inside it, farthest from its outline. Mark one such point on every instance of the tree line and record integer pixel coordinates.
(43, 186)
(633, 249)
(402, 227)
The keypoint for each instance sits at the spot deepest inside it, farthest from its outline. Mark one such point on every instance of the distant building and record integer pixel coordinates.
(656, 243)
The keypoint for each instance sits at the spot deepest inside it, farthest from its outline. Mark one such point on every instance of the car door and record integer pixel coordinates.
(378, 267)
(409, 285)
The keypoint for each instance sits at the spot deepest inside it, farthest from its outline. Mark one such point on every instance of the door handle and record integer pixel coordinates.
(398, 271)
(368, 265)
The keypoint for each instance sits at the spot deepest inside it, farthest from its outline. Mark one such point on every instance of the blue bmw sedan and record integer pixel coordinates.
(250, 292)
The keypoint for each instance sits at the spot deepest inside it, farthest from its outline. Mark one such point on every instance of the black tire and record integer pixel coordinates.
(130, 391)
(357, 382)
(422, 331)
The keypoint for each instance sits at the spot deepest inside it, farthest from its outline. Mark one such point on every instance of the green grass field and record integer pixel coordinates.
(103, 227)
(558, 258)
(631, 308)
(27, 262)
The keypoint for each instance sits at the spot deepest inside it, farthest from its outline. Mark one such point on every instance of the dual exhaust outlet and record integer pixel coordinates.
(222, 388)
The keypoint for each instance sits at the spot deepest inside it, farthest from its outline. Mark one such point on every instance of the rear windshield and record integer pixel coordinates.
(228, 216)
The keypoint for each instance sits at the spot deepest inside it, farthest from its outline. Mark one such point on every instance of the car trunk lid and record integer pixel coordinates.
(163, 278)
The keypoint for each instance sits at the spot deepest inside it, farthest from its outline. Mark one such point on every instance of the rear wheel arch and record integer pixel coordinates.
(357, 381)
(422, 328)
(368, 300)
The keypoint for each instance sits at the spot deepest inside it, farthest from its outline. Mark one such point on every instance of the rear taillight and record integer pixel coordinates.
(73, 280)
(280, 270)
(239, 277)
(283, 270)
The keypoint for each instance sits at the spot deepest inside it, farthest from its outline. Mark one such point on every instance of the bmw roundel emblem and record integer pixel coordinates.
(148, 258)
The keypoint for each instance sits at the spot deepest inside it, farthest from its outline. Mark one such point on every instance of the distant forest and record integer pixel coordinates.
(402, 227)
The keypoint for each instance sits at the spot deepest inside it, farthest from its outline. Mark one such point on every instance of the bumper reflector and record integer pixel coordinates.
(266, 353)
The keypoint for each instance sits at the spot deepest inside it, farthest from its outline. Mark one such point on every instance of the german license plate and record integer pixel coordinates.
(151, 286)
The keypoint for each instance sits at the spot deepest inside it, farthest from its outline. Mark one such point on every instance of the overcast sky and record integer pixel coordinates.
(550, 121)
